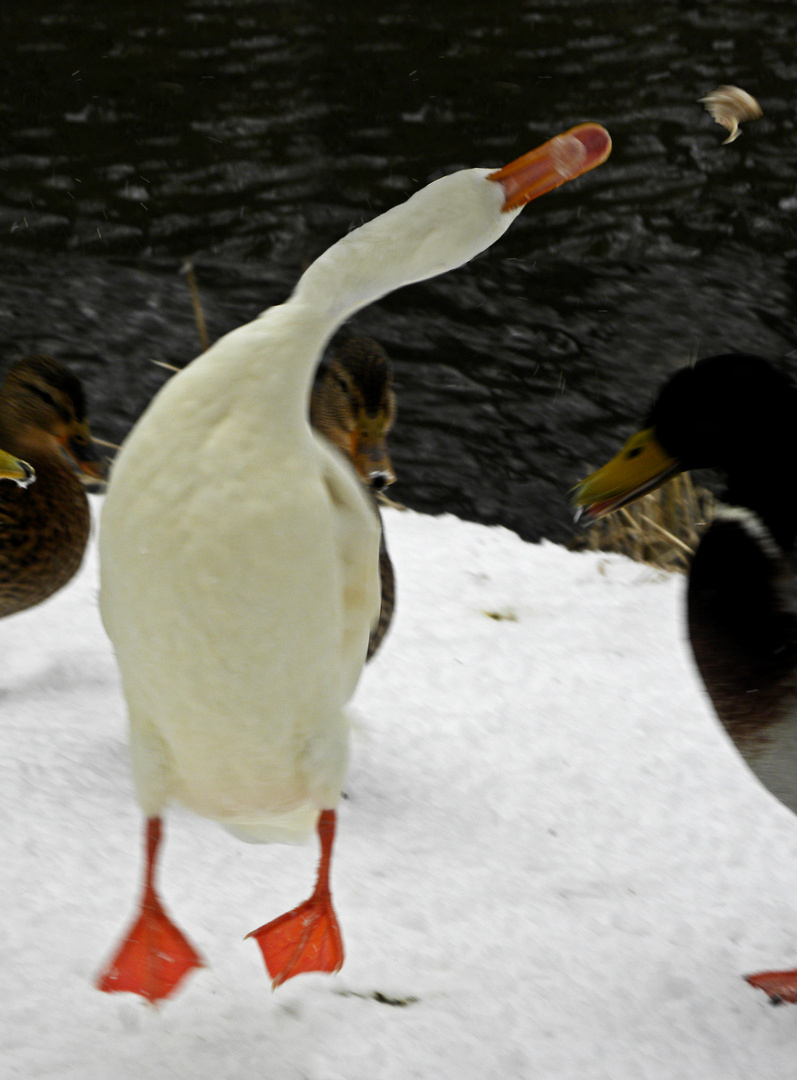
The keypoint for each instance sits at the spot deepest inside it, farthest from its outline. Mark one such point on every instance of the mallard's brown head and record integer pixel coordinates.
(42, 409)
(354, 406)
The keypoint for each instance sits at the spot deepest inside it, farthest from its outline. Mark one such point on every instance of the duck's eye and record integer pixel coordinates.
(48, 399)
(42, 394)
(634, 452)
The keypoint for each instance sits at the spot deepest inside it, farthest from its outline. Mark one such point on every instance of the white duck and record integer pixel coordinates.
(239, 564)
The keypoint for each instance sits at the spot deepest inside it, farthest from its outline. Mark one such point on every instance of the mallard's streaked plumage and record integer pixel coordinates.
(736, 413)
(353, 405)
(44, 526)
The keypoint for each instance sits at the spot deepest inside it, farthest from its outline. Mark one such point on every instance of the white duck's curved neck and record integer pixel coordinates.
(440, 227)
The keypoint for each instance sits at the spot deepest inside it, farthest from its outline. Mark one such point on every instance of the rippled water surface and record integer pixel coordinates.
(247, 137)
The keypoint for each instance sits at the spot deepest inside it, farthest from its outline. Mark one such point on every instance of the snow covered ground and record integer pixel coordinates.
(550, 863)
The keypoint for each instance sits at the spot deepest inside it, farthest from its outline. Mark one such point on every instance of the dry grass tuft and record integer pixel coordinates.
(662, 528)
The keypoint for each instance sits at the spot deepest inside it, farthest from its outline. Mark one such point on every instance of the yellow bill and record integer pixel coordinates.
(641, 466)
(19, 471)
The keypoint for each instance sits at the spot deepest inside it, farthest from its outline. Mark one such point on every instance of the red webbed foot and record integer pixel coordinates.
(154, 958)
(305, 939)
(780, 985)
(308, 937)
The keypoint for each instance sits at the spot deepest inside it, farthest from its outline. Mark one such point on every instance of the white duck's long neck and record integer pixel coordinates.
(440, 227)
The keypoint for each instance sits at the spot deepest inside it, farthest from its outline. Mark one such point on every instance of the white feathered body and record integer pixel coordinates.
(240, 580)
(239, 555)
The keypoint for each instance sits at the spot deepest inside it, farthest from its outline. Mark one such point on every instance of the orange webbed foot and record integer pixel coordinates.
(308, 937)
(780, 985)
(304, 939)
(154, 958)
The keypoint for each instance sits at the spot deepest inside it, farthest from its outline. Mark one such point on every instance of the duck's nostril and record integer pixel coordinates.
(378, 481)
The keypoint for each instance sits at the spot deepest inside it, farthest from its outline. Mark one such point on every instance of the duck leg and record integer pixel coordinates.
(780, 985)
(308, 937)
(155, 956)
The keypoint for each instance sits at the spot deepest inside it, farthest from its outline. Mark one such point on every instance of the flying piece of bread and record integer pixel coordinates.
(731, 106)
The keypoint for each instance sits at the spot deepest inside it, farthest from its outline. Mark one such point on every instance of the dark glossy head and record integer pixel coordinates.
(725, 412)
(734, 412)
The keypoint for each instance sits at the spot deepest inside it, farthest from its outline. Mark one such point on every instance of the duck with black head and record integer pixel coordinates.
(736, 413)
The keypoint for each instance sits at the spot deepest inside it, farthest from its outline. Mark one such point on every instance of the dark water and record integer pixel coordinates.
(248, 136)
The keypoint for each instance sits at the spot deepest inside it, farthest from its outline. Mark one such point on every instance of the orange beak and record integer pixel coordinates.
(562, 158)
(369, 455)
(79, 446)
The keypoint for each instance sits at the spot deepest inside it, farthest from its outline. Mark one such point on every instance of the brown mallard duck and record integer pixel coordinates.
(44, 527)
(736, 413)
(353, 405)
